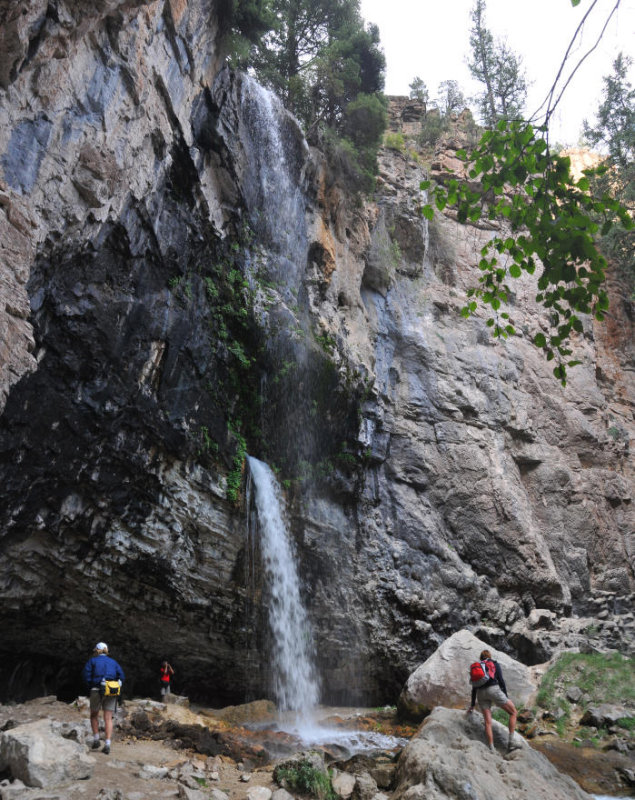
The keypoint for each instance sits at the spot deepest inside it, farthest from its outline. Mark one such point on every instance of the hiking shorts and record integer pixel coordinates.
(105, 703)
(491, 695)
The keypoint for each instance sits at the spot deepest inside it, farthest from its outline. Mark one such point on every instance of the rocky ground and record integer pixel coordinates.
(173, 751)
(136, 768)
(168, 751)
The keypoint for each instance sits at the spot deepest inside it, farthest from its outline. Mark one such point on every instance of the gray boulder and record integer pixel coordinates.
(605, 715)
(38, 756)
(259, 793)
(365, 787)
(443, 680)
(343, 784)
(448, 759)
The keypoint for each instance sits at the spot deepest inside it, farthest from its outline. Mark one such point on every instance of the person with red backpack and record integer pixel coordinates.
(488, 687)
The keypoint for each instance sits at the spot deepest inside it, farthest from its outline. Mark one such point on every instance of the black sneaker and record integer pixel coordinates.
(95, 744)
(106, 749)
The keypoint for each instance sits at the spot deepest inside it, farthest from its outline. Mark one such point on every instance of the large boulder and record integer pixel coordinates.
(36, 755)
(448, 758)
(443, 679)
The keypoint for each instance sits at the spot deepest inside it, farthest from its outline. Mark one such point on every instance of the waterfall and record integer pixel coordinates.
(295, 682)
(276, 154)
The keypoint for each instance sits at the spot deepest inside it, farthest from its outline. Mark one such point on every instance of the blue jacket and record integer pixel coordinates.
(99, 668)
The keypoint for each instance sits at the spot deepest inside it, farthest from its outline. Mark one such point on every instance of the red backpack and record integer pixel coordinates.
(481, 672)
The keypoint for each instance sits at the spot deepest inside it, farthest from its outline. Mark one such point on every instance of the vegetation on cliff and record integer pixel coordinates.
(587, 697)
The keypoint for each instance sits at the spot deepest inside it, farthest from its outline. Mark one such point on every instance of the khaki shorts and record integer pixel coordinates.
(491, 695)
(105, 703)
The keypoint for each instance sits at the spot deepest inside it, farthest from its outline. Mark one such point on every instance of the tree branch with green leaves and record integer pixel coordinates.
(550, 226)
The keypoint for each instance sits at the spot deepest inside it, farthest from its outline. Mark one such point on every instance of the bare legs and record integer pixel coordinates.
(108, 724)
(510, 708)
(94, 723)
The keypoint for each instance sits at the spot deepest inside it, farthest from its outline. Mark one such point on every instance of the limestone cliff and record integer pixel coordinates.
(183, 276)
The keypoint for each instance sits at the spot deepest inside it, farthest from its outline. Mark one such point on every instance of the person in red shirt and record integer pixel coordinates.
(165, 676)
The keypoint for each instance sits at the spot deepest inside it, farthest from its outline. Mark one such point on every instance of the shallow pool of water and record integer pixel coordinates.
(335, 729)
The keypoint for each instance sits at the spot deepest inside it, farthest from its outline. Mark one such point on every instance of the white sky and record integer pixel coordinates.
(430, 39)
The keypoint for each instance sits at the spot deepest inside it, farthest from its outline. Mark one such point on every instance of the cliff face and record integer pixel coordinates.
(180, 273)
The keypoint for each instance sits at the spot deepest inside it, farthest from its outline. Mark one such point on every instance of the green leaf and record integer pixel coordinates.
(540, 340)
(515, 271)
(427, 211)
(425, 185)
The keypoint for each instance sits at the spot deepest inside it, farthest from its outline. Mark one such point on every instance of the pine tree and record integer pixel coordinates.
(419, 90)
(500, 71)
(451, 99)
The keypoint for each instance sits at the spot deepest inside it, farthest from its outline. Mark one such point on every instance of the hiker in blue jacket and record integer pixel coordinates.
(99, 669)
(494, 691)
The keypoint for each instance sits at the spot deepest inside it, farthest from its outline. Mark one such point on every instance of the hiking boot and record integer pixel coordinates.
(95, 744)
(491, 748)
(106, 749)
(513, 744)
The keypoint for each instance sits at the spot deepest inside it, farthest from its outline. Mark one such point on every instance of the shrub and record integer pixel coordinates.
(306, 779)
(433, 126)
(365, 121)
(349, 165)
(395, 141)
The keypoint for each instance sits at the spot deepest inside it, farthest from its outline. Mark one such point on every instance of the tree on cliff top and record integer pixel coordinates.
(500, 71)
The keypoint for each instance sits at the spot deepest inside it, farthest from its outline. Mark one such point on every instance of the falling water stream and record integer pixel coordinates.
(295, 681)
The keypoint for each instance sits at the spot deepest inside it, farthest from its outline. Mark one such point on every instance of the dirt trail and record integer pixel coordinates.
(121, 774)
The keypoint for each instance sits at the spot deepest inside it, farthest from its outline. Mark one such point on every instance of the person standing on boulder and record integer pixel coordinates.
(491, 690)
(99, 669)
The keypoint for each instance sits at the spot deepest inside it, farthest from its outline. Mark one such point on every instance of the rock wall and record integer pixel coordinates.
(182, 276)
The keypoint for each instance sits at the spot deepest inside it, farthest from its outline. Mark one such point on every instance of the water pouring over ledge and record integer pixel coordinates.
(295, 680)
(295, 683)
